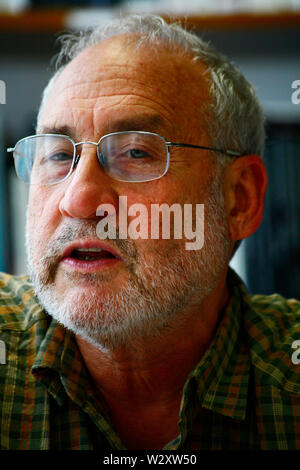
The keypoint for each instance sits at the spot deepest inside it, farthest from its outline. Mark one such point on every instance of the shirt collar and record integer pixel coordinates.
(59, 365)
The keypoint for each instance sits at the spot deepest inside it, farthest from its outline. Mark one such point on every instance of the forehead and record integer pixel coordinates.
(114, 78)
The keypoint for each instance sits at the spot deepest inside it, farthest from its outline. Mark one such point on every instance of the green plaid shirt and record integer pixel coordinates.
(243, 394)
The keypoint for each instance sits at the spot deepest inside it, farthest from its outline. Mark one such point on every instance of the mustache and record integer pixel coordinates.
(82, 229)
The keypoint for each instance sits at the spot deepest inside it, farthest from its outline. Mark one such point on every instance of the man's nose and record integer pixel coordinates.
(87, 187)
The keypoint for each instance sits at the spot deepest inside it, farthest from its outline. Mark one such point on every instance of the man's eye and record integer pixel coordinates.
(136, 153)
(60, 157)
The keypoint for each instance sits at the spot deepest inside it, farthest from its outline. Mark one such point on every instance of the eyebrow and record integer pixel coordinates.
(150, 123)
(63, 130)
(145, 122)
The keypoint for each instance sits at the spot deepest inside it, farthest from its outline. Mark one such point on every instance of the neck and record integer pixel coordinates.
(154, 370)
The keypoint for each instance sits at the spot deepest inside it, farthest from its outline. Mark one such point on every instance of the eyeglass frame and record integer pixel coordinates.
(76, 157)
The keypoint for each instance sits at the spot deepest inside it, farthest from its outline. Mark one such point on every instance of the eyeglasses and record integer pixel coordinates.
(130, 156)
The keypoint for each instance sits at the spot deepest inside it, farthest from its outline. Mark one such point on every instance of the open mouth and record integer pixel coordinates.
(91, 254)
(85, 256)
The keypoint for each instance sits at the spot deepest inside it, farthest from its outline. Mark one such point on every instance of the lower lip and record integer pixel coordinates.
(89, 266)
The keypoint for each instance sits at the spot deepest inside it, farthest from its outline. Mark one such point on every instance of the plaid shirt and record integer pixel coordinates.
(243, 394)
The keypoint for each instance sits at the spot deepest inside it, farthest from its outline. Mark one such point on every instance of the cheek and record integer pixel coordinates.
(43, 213)
(141, 199)
(156, 199)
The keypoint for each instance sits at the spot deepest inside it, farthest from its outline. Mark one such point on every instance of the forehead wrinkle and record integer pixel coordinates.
(166, 86)
(92, 89)
(116, 77)
(121, 99)
(140, 121)
(148, 115)
(151, 93)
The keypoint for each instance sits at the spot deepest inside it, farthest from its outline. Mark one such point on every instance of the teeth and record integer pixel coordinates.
(92, 250)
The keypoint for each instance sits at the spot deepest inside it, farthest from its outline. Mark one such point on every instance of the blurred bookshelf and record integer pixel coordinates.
(51, 20)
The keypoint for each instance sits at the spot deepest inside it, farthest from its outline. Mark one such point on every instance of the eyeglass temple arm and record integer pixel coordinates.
(231, 153)
(12, 149)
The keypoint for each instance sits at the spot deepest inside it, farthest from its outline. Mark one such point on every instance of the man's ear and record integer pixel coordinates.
(245, 186)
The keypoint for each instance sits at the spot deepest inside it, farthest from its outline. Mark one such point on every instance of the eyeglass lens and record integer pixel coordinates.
(48, 159)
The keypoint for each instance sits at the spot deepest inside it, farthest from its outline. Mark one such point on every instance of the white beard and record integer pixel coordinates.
(155, 296)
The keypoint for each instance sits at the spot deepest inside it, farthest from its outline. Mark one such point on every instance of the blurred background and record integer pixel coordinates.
(262, 37)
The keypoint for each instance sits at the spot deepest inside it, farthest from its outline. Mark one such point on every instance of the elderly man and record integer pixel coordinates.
(137, 342)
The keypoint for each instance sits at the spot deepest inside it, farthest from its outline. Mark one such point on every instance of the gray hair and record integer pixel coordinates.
(234, 117)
